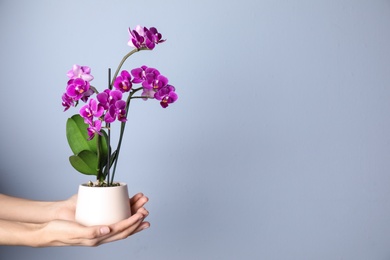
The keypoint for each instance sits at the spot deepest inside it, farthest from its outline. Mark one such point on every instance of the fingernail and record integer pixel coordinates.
(104, 230)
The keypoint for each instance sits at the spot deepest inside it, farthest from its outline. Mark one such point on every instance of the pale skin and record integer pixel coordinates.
(41, 224)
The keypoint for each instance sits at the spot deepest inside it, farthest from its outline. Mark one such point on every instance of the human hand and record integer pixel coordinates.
(64, 231)
(69, 233)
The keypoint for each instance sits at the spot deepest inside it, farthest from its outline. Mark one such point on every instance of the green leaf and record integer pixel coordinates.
(77, 136)
(85, 162)
(85, 158)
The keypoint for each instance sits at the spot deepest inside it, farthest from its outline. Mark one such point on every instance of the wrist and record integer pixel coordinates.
(63, 210)
(36, 236)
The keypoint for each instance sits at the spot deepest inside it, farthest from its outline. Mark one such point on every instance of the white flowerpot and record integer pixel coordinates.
(102, 205)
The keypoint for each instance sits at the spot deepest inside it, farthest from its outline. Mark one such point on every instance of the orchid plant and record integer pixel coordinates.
(89, 132)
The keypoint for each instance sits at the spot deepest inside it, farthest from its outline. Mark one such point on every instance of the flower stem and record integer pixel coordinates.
(123, 61)
(107, 169)
(99, 155)
(142, 97)
(123, 124)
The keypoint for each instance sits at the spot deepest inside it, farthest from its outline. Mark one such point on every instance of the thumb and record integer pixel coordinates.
(104, 231)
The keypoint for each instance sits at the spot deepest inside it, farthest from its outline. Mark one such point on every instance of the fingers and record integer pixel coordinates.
(142, 226)
(143, 211)
(136, 197)
(137, 202)
(125, 228)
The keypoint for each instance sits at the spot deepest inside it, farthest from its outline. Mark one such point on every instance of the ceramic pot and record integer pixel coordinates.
(102, 205)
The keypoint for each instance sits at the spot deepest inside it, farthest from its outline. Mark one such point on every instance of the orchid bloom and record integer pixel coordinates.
(91, 110)
(123, 82)
(82, 72)
(142, 37)
(77, 88)
(116, 110)
(136, 37)
(108, 97)
(94, 128)
(139, 74)
(166, 95)
(67, 101)
(153, 37)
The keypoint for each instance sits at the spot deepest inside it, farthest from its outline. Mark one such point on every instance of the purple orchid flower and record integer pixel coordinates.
(94, 128)
(136, 37)
(82, 72)
(87, 94)
(67, 101)
(123, 82)
(160, 82)
(139, 74)
(149, 77)
(91, 110)
(143, 37)
(77, 88)
(116, 110)
(111, 101)
(108, 97)
(155, 81)
(153, 37)
(167, 95)
(147, 93)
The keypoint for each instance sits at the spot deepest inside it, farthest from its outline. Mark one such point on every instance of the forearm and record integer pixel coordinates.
(19, 234)
(23, 210)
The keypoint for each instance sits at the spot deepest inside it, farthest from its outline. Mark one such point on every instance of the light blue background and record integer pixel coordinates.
(279, 144)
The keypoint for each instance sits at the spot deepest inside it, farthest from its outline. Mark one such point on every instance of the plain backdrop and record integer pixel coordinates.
(277, 148)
